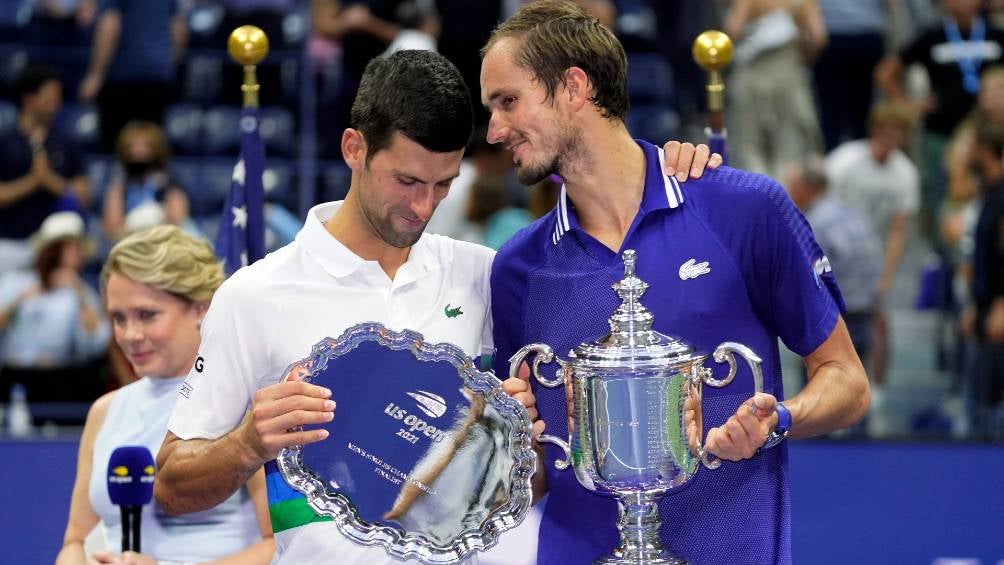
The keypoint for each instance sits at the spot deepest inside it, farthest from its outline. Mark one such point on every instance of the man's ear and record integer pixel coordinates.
(577, 88)
(353, 148)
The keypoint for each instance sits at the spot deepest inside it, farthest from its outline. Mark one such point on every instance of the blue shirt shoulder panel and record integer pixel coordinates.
(787, 276)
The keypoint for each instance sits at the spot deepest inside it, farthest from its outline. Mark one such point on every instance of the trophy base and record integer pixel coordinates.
(638, 524)
(663, 559)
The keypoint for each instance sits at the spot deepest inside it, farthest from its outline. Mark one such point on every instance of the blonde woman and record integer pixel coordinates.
(157, 285)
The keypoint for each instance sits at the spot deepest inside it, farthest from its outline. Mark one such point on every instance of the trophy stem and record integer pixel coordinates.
(638, 523)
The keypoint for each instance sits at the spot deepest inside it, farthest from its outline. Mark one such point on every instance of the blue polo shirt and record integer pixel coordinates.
(765, 278)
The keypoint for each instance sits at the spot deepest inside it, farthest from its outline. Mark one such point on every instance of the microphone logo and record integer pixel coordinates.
(120, 475)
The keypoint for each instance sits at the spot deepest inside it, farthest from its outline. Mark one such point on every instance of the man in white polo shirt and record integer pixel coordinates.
(363, 259)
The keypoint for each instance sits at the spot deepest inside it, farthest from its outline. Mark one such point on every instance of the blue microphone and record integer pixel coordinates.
(131, 472)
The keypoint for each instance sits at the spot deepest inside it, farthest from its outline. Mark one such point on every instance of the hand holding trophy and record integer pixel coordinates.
(634, 401)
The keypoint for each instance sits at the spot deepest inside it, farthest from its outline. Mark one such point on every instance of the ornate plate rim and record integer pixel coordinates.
(408, 546)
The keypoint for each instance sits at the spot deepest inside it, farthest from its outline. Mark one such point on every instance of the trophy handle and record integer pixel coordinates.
(544, 355)
(726, 353)
(559, 464)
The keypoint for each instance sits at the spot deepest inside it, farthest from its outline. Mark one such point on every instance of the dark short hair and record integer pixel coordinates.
(418, 93)
(31, 78)
(557, 35)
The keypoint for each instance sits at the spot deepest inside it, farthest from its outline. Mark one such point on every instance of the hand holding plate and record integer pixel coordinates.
(280, 411)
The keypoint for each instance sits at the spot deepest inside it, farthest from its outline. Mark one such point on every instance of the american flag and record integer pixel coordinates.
(241, 240)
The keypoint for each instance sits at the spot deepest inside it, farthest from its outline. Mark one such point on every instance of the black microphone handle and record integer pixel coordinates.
(136, 511)
(125, 515)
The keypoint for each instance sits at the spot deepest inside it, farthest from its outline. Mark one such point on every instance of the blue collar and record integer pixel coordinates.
(660, 192)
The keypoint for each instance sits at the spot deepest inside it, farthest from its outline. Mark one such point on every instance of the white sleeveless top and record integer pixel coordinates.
(138, 415)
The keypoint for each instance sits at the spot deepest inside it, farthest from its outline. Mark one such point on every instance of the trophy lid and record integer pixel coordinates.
(632, 343)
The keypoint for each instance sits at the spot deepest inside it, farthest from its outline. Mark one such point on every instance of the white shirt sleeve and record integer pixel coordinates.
(234, 349)
(836, 164)
(909, 192)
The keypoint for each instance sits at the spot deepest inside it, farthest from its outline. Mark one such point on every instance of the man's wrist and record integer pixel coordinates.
(248, 455)
(781, 431)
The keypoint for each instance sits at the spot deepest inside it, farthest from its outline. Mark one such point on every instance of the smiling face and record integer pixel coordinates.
(523, 118)
(400, 186)
(157, 331)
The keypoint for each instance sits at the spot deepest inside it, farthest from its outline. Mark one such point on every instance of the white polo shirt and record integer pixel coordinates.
(271, 313)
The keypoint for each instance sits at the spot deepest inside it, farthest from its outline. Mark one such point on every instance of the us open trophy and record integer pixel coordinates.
(634, 411)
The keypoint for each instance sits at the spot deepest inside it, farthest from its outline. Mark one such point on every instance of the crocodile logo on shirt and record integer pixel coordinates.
(692, 269)
(452, 312)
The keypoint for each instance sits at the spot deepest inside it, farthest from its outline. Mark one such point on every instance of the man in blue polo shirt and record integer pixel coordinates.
(728, 257)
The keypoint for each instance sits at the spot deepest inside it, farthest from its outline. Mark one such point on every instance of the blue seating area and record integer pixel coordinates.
(202, 122)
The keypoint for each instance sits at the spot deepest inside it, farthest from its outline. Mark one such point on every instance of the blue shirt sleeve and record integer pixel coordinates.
(506, 310)
(789, 284)
(796, 288)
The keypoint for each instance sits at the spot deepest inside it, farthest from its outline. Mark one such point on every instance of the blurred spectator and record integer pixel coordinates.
(983, 318)
(771, 103)
(52, 319)
(267, 15)
(875, 177)
(957, 218)
(466, 27)
(952, 52)
(678, 22)
(63, 22)
(848, 239)
(143, 189)
(135, 47)
(488, 208)
(40, 169)
(416, 30)
(963, 186)
(482, 160)
(365, 30)
(281, 226)
(843, 72)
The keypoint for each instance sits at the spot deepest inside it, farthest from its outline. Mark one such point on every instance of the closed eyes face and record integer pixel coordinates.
(401, 187)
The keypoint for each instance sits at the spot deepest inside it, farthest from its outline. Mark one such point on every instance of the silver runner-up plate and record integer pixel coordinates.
(426, 457)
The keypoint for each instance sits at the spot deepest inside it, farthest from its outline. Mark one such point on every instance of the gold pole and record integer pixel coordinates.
(248, 45)
(712, 51)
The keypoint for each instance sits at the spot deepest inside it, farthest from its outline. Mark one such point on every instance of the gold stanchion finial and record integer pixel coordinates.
(248, 45)
(712, 50)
